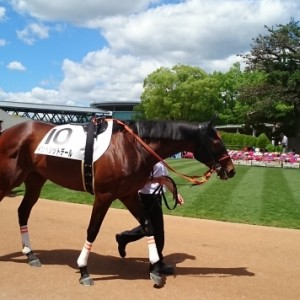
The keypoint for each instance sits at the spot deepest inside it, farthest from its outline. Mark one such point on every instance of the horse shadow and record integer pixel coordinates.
(107, 267)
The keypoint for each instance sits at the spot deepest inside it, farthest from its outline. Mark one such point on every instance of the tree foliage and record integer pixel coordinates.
(180, 93)
(267, 91)
(188, 93)
(277, 54)
(235, 107)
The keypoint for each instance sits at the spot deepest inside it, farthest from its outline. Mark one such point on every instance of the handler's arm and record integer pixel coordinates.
(162, 180)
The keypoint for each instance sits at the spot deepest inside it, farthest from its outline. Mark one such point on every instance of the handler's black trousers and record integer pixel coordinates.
(153, 211)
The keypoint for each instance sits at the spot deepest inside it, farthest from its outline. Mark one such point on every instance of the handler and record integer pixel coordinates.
(152, 204)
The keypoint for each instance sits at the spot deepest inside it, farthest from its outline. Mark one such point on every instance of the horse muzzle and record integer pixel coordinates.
(225, 174)
(224, 168)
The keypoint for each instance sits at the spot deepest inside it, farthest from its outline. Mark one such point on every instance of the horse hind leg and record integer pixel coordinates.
(33, 185)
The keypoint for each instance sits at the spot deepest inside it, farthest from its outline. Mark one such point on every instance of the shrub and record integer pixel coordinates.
(270, 148)
(262, 141)
(238, 141)
(249, 141)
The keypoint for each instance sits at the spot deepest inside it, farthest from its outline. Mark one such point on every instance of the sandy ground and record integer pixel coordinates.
(214, 260)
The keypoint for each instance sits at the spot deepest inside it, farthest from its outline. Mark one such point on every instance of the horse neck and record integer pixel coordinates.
(168, 138)
(167, 148)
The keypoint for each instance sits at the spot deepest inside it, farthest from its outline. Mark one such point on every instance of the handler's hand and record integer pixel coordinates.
(180, 200)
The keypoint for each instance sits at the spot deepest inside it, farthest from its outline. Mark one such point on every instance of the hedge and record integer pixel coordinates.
(238, 141)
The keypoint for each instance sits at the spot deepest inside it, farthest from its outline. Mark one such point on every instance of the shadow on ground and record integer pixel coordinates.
(111, 267)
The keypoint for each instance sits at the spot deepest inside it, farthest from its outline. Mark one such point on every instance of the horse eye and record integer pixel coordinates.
(218, 147)
(216, 144)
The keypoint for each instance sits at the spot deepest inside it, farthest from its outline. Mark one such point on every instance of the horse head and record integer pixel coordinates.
(201, 139)
(211, 151)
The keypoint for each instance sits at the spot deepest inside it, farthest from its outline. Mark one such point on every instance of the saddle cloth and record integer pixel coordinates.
(68, 141)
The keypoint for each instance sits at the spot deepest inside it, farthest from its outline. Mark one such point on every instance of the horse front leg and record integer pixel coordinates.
(33, 186)
(100, 208)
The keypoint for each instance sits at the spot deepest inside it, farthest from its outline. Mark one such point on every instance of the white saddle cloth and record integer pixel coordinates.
(68, 141)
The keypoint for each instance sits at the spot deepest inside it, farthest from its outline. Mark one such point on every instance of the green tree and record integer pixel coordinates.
(235, 107)
(277, 54)
(180, 93)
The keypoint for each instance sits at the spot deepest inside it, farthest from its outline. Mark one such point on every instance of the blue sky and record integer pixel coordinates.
(78, 52)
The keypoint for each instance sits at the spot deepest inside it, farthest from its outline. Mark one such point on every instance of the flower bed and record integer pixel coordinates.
(265, 159)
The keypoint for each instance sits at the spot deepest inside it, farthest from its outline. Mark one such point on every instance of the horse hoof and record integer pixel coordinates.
(35, 263)
(86, 281)
(157, 279)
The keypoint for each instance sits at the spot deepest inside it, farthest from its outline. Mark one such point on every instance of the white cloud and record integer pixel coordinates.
(103, 76)
(2, 13)
(36, 95)
(33, 32)
(195, 31)
(16, 65)
(207, 34)
(202, 33)
(3, 42)
(78, 11)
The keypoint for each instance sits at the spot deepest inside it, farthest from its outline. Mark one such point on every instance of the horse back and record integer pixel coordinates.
(23, 136)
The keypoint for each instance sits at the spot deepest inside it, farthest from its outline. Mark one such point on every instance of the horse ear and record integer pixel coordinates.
(214, 117)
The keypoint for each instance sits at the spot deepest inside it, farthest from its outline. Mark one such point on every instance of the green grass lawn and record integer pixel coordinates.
(256, 195)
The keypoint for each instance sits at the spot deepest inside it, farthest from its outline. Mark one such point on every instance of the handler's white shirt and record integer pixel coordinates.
(158, 170)
(284, 140)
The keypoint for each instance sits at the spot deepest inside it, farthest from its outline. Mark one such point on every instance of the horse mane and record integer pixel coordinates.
(158, 129)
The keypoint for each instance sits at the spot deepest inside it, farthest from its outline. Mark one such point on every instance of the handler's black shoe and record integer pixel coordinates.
(162, 268)
(121, 245)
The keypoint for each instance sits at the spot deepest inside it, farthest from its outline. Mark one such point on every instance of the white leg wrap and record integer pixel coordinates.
(153, 254)
(25, 240)
(84, 255)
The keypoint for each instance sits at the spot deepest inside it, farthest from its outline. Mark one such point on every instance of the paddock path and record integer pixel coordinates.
(214, 260)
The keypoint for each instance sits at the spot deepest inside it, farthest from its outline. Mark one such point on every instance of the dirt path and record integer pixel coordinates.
(214, 260)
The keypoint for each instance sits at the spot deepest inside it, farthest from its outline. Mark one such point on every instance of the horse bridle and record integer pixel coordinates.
(215, 166)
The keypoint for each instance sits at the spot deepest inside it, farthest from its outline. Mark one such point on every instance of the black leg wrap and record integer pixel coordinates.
(83, 271)
(85, 277)
(155, 275)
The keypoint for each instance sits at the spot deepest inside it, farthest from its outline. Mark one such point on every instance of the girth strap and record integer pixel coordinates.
(88, 174)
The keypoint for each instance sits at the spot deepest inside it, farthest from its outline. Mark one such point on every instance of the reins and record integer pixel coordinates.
(160, 190)
(204, 178)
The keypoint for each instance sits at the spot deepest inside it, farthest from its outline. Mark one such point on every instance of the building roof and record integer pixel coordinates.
(116, 105)
(50, 107)
(8, 121)
(12, 113)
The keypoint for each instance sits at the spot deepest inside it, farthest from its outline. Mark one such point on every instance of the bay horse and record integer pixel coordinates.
(123, 169)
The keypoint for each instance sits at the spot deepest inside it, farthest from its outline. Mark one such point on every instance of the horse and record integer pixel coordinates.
(124, 168)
